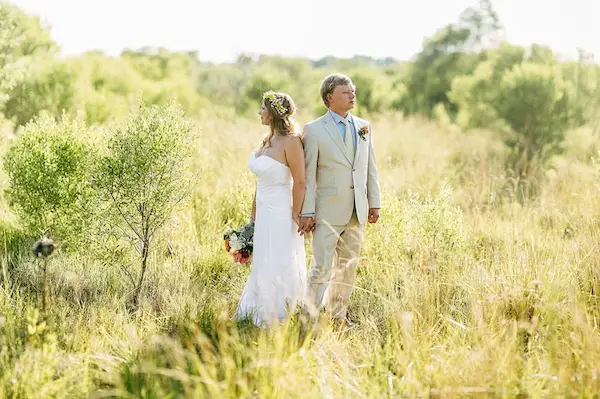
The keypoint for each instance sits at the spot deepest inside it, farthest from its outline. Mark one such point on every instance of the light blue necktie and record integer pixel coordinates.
(348, 138)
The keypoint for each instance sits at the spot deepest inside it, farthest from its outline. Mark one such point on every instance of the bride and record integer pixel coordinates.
(277, 281)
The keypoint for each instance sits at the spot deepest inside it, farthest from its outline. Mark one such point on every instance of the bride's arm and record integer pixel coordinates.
(294, 154)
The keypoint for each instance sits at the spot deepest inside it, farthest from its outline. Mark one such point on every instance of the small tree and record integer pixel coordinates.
(48, 177)
(537, 105)
(530, 103)
(142, 177)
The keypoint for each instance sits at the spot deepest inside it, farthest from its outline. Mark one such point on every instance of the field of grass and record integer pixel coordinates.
(463, 291)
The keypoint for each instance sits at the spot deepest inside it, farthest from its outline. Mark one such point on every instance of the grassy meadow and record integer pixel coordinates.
(463, 290)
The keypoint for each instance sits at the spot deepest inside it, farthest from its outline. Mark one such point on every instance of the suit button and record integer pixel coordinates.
(354, 170)
(352, 187)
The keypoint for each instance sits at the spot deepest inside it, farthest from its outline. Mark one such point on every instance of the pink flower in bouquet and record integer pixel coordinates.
(237, 256)
(245, 257)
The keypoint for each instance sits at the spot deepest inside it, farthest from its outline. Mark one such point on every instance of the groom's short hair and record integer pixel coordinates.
(332, 81)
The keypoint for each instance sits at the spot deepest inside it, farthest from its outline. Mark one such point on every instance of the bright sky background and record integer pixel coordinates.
(221, 29)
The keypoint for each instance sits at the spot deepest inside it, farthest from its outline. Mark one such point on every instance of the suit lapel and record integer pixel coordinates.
(334, 133)
(357, 149)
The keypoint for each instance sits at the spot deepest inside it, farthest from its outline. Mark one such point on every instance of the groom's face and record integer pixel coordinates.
(343, 98)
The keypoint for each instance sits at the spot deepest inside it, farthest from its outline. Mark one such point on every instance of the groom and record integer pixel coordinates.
(342, 193)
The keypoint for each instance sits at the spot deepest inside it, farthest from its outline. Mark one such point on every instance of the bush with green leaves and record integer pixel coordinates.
(474, 94)
(48, 176)
(104, 88)
(22, 38)
(530, 103)
(144, 175)
(48, 86)
(537, 105)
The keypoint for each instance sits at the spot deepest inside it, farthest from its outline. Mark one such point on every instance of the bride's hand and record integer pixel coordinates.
(296, 219)
(306, 225)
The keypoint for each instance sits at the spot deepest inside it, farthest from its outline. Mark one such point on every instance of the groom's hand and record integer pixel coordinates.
(373, 215)
(307, 224)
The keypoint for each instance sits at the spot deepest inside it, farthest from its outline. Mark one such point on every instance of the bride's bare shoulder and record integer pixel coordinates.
(293, 139)
(293, 144)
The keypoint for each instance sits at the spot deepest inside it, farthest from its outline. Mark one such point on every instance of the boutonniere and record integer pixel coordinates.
(363, 132)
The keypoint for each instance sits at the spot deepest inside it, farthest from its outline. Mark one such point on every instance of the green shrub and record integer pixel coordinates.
(48, 177)
(46, 87)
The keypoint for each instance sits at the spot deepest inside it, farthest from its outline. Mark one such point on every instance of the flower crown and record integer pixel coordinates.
(275, 102)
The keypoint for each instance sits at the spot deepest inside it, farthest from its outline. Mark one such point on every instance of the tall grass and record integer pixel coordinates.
(462, 291)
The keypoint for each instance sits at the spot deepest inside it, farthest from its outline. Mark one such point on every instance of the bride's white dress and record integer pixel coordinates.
(277, 280)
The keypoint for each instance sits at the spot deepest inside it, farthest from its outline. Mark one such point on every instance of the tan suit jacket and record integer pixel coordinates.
(336, 184)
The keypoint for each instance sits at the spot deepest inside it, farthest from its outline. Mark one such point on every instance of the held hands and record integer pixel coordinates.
(306, 225)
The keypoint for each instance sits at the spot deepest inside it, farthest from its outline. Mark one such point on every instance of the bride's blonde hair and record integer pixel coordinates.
(281, 108)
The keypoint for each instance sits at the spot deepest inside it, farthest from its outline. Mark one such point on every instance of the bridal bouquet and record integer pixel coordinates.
(239, 243)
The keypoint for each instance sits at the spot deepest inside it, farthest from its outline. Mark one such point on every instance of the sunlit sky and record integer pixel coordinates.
(221, 29)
